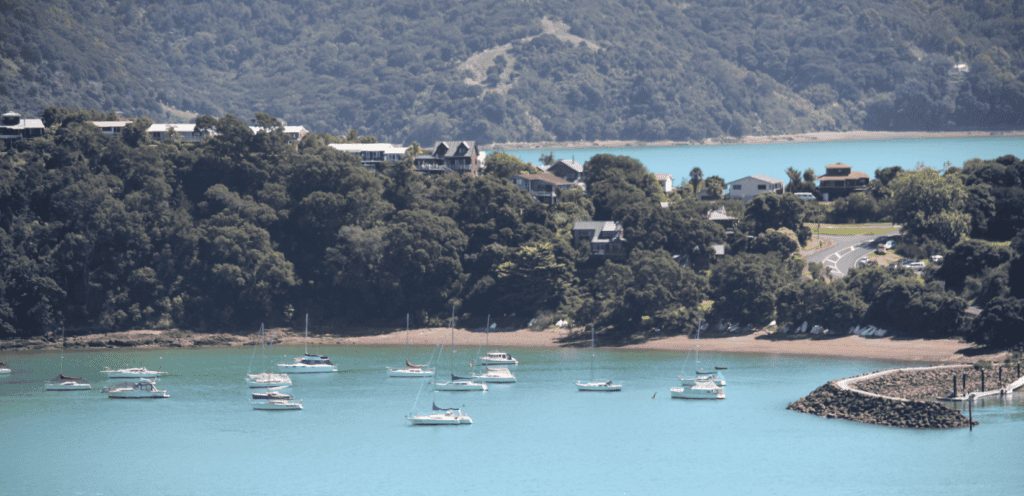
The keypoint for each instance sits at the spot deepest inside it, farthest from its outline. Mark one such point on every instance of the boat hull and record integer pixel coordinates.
(267, 380)
(136, 395)
(306, 369)
(74, 386)
(693, 382)
(440, 419)
(131, 374)
(690, 393)
(277, 405)
(491, 361)
(598, 386)
(410, 372)
(460, 386)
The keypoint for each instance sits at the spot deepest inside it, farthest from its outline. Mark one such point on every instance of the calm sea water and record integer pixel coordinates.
(539, 436)
(732, 162)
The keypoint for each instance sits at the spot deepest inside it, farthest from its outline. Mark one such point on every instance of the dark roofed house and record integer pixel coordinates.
(839, 181)
(543, 186)
(604, 236)
(450, 156)
(570, 170)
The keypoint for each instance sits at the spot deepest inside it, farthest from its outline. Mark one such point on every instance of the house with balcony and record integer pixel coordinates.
(187, 133)
(751, 186)
(293, 133)
(840, 181)
(569, 170)
(450, 156)
(111, 128)
(372, 155)
(604, 236)
(544, 187)
(14, 127)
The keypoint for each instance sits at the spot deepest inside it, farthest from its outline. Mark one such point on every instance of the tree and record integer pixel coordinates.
(714, 187)
(744, 288)
(1001, 323)
(930, 204)
(969, 258)
(831, 306)
(696, 176)
(794, 180)
(770, 211)
(772, 241)
(504, 166)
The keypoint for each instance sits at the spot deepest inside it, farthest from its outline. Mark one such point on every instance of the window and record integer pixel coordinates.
(737, 187)
(762, 187)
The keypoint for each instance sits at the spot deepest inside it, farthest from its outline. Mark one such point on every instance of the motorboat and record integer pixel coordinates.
(142, 389)
(67, 383)
(267, 380)
(703, 390)
(411, 369)
(498, 358)
(460, 384)
(608, 386)
(308, 363)
(274, 393)
(277, 405)
(4, 369)
(132, 373)
(441, 416)
(496, 375)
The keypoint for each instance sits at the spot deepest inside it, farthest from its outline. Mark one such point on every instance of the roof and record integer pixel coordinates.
(759, 177)
(572, 164)
(851, 175)
(286, 130)
(719, 215)
(546, 177)
(837, 165)
(111, 123)
(452, 146)
(595, 225)
(179, 128)
(663, 177)
(368, 147)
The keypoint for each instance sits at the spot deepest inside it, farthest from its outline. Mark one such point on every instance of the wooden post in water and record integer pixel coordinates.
(970, 413)
(954, 385)
(1000, 375)
(982, 379)
(965, 382)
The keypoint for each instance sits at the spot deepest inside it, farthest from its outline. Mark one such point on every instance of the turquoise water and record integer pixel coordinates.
(539, 436)
(732, 162)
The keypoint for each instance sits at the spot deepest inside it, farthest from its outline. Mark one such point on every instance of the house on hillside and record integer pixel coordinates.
(720, 217)
(544, 187)
(450, 156)
(840, 181)
(294, 133)
(372, 155)
(665, 180)
(605, 236)
(182, 132)
(751, 186)
(111, 128)
(569, 170)
(13, 127)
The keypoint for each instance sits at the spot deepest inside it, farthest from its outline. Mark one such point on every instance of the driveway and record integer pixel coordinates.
(841, 257)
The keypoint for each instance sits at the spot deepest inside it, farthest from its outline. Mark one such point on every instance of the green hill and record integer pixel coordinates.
(527, 70)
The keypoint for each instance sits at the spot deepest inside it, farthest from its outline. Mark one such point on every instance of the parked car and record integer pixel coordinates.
(805, 196)
(915, 266)
(936, 258)
(888, 244)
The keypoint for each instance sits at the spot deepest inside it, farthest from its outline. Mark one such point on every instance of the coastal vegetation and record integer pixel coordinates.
(495, 71)
(101, 233)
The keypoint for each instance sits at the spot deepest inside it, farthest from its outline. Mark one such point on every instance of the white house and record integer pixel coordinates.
(372, 155)
(183, 132)
(751, 186)
(111, 128)
(294, 133)
(13, 127)
(665, 180)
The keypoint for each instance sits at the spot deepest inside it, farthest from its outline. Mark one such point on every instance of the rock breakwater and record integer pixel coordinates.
(832, 401)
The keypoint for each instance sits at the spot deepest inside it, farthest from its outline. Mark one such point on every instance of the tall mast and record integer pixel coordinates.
(62, 350)
(487, 331)
(407, 337)
(307, 333)
(697, 346)
(591, 353)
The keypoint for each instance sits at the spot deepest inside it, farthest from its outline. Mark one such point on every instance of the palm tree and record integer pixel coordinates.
(794, 179)
(696, 176)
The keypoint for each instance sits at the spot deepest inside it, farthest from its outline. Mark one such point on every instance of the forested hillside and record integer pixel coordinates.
(498, 71)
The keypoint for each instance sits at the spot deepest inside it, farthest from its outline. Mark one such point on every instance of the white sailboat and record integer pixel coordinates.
(703, 385)
(4, 369)
(410, 370)
(609, 386)
(308, 364)
(143, 389)
(457, 383)
(437, 415)
(495, 357)
(265, 379)
(277, 405)
(63, 382)
(132, 373)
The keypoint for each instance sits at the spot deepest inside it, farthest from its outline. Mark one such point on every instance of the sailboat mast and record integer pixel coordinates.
(61, 350)
(487, 331)
(591, 354)
(307, 333)
(697, 346)
(407, 337)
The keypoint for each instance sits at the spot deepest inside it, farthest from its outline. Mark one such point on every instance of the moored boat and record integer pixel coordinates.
(441, 416)
(702, 390)
(411, 369)
(67, 383)
(607, 386)
(267, 380)
(143, 389)
(274, 393)
(308, 363)
(4, 369)
(460, 384)
(132, 373)
(501, 375)
(497, 357)
(277, 405)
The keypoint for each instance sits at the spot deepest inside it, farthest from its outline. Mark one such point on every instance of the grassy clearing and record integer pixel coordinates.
(851, 229)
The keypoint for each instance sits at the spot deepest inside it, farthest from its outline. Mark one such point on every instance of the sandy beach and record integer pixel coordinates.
(760, 342)
(756, 140)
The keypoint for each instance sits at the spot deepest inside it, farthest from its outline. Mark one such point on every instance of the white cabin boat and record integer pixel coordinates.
(277, 405)
(441, 416)
(701, 375)
(498, 358)
(67, 383)
(308, 364)
(460, 384)
(274, 393)
(142, 389)
(702, 390)
(267, 380)
(4, 369)
(500, 375)
(132, 373)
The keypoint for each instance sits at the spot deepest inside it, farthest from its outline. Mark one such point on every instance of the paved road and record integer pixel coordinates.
(841, 257)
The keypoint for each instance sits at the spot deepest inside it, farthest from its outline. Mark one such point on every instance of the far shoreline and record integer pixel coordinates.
(818, 137)
(761, 342)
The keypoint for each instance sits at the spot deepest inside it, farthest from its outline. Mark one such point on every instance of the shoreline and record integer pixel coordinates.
(757, 343)
(818, 137)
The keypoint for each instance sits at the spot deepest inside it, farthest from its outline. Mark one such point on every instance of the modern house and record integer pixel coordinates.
(751, 186)
(111, 128)
(294, 133)
(605, 237)
(450, 156)
(569, 170)
(182, 132)
(665, 180)
(544, 187)
(14, 127)
(372, 155)
(839, 181)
